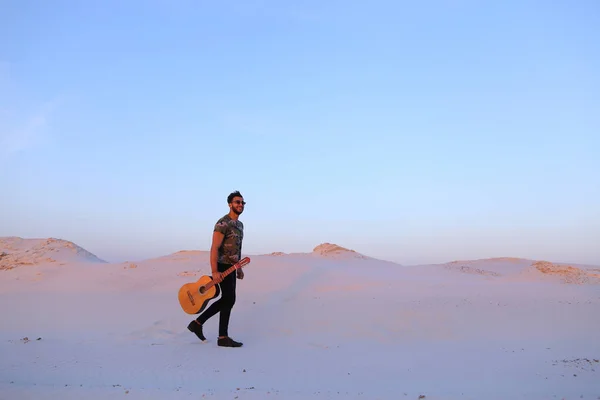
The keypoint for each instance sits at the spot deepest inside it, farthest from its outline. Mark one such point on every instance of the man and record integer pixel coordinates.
(225, 251)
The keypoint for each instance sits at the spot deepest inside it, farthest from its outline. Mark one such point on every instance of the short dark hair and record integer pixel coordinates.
(232, 195)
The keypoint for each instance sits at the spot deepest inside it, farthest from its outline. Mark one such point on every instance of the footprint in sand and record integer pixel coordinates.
(160, 332)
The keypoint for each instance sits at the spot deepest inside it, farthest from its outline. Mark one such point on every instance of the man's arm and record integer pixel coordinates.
(217, 239)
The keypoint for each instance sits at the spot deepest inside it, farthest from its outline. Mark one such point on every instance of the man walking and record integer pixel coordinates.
(225, 251)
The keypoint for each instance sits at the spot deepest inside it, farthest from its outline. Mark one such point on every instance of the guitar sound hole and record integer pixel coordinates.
(202, 289)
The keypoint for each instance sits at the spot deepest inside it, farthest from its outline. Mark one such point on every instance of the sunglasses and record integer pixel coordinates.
(239, 202)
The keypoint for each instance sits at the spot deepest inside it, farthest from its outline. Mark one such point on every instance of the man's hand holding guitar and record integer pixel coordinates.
(217, 276)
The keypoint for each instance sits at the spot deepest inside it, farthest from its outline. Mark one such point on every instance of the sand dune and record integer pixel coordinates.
(516, 269)
(16, 251)
(328, 323)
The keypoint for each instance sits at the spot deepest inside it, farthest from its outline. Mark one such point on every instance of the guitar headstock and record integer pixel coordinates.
(243, 262)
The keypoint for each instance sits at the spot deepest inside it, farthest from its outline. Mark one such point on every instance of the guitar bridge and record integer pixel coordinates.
(191, 298)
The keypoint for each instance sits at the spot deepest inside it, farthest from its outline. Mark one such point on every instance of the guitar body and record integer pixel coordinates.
(195, 296)
(192, 300)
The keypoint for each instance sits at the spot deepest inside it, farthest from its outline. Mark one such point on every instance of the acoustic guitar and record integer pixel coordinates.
(195, 296)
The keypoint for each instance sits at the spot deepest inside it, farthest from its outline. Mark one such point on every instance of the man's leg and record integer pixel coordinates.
(196, 325)
(228, 286)
(227, 301)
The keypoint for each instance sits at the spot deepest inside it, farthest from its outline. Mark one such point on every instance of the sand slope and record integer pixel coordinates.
(16, 251)
(314, 326)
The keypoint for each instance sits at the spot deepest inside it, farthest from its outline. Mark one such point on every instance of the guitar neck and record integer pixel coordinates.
(229, 270)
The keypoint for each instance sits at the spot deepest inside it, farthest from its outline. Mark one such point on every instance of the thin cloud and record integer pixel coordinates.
(31, 132)
(21, 128)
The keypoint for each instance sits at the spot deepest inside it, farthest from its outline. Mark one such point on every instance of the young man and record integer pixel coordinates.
(225, 251)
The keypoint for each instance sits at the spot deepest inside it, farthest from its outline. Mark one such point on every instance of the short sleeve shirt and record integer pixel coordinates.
(230, 251)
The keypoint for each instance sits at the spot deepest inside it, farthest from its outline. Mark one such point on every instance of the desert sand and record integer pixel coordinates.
(329, 323)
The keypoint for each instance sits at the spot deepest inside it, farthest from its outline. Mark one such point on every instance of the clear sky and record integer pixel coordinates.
(411, 131)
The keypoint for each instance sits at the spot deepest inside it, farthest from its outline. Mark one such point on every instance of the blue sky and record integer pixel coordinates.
(411, 131)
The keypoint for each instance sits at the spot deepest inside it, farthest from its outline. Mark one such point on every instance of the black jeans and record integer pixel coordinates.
(224, 304)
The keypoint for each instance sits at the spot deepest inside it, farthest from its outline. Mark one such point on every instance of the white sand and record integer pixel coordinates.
(314, 326)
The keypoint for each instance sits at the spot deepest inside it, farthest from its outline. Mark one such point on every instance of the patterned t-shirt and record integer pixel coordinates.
(230, 251)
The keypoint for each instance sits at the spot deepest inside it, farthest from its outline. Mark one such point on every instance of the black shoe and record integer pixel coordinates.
(228, 342)
(196, 327)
